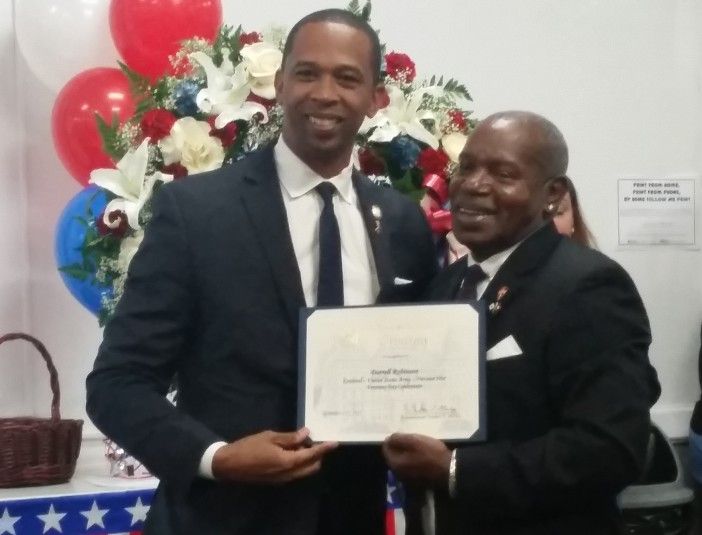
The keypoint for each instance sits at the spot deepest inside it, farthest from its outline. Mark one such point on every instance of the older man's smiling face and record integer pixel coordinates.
(499, 192)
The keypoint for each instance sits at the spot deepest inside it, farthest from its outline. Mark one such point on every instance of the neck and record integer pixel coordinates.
(326, 165)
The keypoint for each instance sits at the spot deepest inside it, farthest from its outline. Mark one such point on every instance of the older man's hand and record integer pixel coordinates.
(417, 458)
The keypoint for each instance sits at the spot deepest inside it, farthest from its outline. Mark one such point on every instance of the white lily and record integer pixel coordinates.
(227, 89)
(130, 183)
(402, 116)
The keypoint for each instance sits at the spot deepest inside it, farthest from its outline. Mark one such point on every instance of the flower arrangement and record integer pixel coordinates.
(219, 105)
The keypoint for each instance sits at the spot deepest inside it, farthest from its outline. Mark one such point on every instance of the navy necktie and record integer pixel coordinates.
(469, 287)
(330, 289)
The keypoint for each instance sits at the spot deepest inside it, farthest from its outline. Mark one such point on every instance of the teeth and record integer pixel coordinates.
(474, 214)
(322, 122)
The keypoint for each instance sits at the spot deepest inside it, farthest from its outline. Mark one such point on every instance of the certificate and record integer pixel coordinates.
(368, 372)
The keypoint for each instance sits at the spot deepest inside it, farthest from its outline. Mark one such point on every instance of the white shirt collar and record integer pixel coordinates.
(298, 179)
(492, 264)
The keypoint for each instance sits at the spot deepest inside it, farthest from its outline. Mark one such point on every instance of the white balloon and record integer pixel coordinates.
(60, 38)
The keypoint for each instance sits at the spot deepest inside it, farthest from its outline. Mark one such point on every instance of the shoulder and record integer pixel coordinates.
(577, 264)
(225, 179)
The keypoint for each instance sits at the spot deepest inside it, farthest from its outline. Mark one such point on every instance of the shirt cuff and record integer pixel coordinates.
(205, 468)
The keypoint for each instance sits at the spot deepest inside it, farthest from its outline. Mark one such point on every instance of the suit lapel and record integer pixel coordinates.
(369, 196)
(513, 276)
(263, 201)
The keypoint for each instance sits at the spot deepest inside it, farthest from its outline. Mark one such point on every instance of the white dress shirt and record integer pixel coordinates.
(303, 206)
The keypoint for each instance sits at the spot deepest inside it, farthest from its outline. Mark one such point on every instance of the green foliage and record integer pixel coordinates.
(77, 271)
(140, 87)
(236, 147)
(227, 38)
(361, 12)
(112, 143)
(451, 86)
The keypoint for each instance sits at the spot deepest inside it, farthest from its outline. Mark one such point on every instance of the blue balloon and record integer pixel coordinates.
(70, 233)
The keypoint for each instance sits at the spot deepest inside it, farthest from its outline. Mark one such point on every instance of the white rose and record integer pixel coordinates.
(191, 145)
(453, 144)
(261, 61)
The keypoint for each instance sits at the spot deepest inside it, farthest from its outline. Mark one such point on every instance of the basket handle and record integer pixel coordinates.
(53, 376)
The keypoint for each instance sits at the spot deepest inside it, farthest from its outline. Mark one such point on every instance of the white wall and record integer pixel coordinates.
(14, 356)
(622, 79)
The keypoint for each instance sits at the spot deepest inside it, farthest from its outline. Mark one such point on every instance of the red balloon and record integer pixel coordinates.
(76, 138)
(146, 32)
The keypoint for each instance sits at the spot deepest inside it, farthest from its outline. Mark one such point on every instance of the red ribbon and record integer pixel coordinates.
(437, 189)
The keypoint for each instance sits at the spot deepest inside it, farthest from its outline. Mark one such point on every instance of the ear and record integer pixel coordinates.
(278, 82)
(556, 188)
(379, 101)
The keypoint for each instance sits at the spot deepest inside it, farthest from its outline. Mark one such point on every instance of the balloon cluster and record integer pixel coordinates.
(144, 33)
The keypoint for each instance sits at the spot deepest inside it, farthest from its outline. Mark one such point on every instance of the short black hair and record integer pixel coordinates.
(341, 16)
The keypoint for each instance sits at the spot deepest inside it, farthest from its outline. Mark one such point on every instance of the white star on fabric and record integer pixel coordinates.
(138, 512)
(8, 522)
(94, 516)
(390, 489)
(52, 520)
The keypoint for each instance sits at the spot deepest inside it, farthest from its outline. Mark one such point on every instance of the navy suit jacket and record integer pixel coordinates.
(568, 419)
(213, 295)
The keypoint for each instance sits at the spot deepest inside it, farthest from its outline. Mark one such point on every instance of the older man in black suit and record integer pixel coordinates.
(569, 384)
(213, 296)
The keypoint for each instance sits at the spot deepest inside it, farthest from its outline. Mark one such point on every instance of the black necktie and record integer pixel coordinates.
(469, 287)
(330, 290)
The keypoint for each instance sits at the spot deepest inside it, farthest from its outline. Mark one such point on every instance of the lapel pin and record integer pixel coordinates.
(497, 305)
(377, 214)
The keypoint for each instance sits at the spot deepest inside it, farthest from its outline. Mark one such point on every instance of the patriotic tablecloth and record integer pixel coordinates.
(118, 513)
(113, 513)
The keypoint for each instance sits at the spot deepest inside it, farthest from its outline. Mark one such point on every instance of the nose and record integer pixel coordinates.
(325, 89)
(477, 182)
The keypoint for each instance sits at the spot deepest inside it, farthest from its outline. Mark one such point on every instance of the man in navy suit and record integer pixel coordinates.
(569, 384)
(213, 296)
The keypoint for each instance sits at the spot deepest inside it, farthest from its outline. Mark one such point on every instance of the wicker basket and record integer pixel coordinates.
(38, 451)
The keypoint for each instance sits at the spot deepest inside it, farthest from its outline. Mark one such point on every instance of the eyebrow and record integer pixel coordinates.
(337, 68)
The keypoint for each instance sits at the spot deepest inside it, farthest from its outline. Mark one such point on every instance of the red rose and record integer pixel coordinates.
(433, 161)
(227, 134)
(458, 120)
(250, 38)
(118, 220)
(157, 124)
(175, 169)
(370, 163)
(400, 67)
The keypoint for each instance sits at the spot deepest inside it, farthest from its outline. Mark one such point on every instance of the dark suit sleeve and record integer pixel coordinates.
(601, 386)
(142, 345)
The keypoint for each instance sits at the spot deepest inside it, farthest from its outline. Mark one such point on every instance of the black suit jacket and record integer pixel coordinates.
(213, 296)
(568, 420)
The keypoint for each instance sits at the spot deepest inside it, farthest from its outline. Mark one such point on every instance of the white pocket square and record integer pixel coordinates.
(399, 281)
(507, 347)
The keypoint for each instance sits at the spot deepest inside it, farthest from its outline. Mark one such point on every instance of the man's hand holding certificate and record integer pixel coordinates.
(368, 372)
